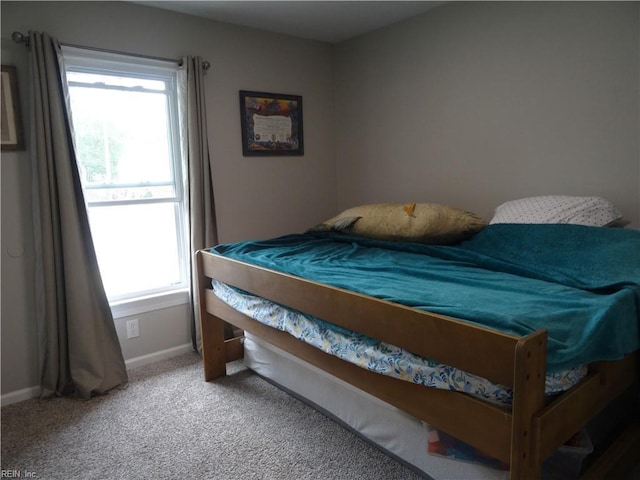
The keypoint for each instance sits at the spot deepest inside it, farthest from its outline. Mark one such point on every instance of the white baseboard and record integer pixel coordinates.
(156, 356)
(20, 395)
(32, 392)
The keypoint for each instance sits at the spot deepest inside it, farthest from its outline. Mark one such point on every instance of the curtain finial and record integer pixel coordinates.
(20, 37)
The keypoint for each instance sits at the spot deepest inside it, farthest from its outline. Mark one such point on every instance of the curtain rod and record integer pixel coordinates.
(20, 37)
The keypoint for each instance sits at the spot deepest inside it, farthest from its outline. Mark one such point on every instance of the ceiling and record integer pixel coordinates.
(327, 21)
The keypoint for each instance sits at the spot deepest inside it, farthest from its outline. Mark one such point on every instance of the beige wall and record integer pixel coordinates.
(477, 103)
(255, 197)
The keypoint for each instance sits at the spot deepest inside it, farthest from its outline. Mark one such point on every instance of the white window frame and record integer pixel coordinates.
(96, 61)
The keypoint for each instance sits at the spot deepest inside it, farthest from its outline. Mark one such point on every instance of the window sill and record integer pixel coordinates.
(135, 306)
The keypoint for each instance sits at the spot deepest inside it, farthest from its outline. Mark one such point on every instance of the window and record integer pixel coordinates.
(127, 137)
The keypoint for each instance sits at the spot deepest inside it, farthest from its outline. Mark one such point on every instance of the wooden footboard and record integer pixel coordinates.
(521, 437)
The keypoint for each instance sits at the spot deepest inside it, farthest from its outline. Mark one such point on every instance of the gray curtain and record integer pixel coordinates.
(79, 350)
(202, 214)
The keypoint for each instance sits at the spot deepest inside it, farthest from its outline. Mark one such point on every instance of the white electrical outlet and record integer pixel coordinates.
(133, 329)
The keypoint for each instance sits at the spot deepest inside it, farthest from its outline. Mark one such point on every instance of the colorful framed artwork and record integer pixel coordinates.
(271, 124)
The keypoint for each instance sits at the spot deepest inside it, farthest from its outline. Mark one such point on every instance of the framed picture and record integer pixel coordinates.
(271, 124)
(11, 133)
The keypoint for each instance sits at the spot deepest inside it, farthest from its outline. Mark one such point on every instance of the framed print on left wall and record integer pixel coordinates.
(271, 124)
(11, 133)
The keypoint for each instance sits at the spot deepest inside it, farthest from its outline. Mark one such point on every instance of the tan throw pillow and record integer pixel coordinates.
(429, 223)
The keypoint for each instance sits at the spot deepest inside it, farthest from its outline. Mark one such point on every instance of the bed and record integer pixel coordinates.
(516, 351)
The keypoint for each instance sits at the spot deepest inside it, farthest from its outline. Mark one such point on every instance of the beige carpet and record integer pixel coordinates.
(167, 423)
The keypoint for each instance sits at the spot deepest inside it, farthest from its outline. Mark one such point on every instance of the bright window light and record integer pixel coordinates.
(127, 137)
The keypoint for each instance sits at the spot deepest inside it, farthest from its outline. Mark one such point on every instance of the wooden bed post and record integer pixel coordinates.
(528, 399)
(211, 329)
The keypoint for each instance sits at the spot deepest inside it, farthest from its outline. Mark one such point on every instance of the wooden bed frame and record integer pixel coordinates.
(521, 437)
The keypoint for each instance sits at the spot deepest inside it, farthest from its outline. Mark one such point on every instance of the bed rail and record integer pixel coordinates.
(445, 339)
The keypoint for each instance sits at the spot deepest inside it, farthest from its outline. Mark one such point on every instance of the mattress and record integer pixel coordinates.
(377, 356)
(396, 433)
(580, 284)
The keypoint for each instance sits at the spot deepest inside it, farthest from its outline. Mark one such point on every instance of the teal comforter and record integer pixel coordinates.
(581, 284)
